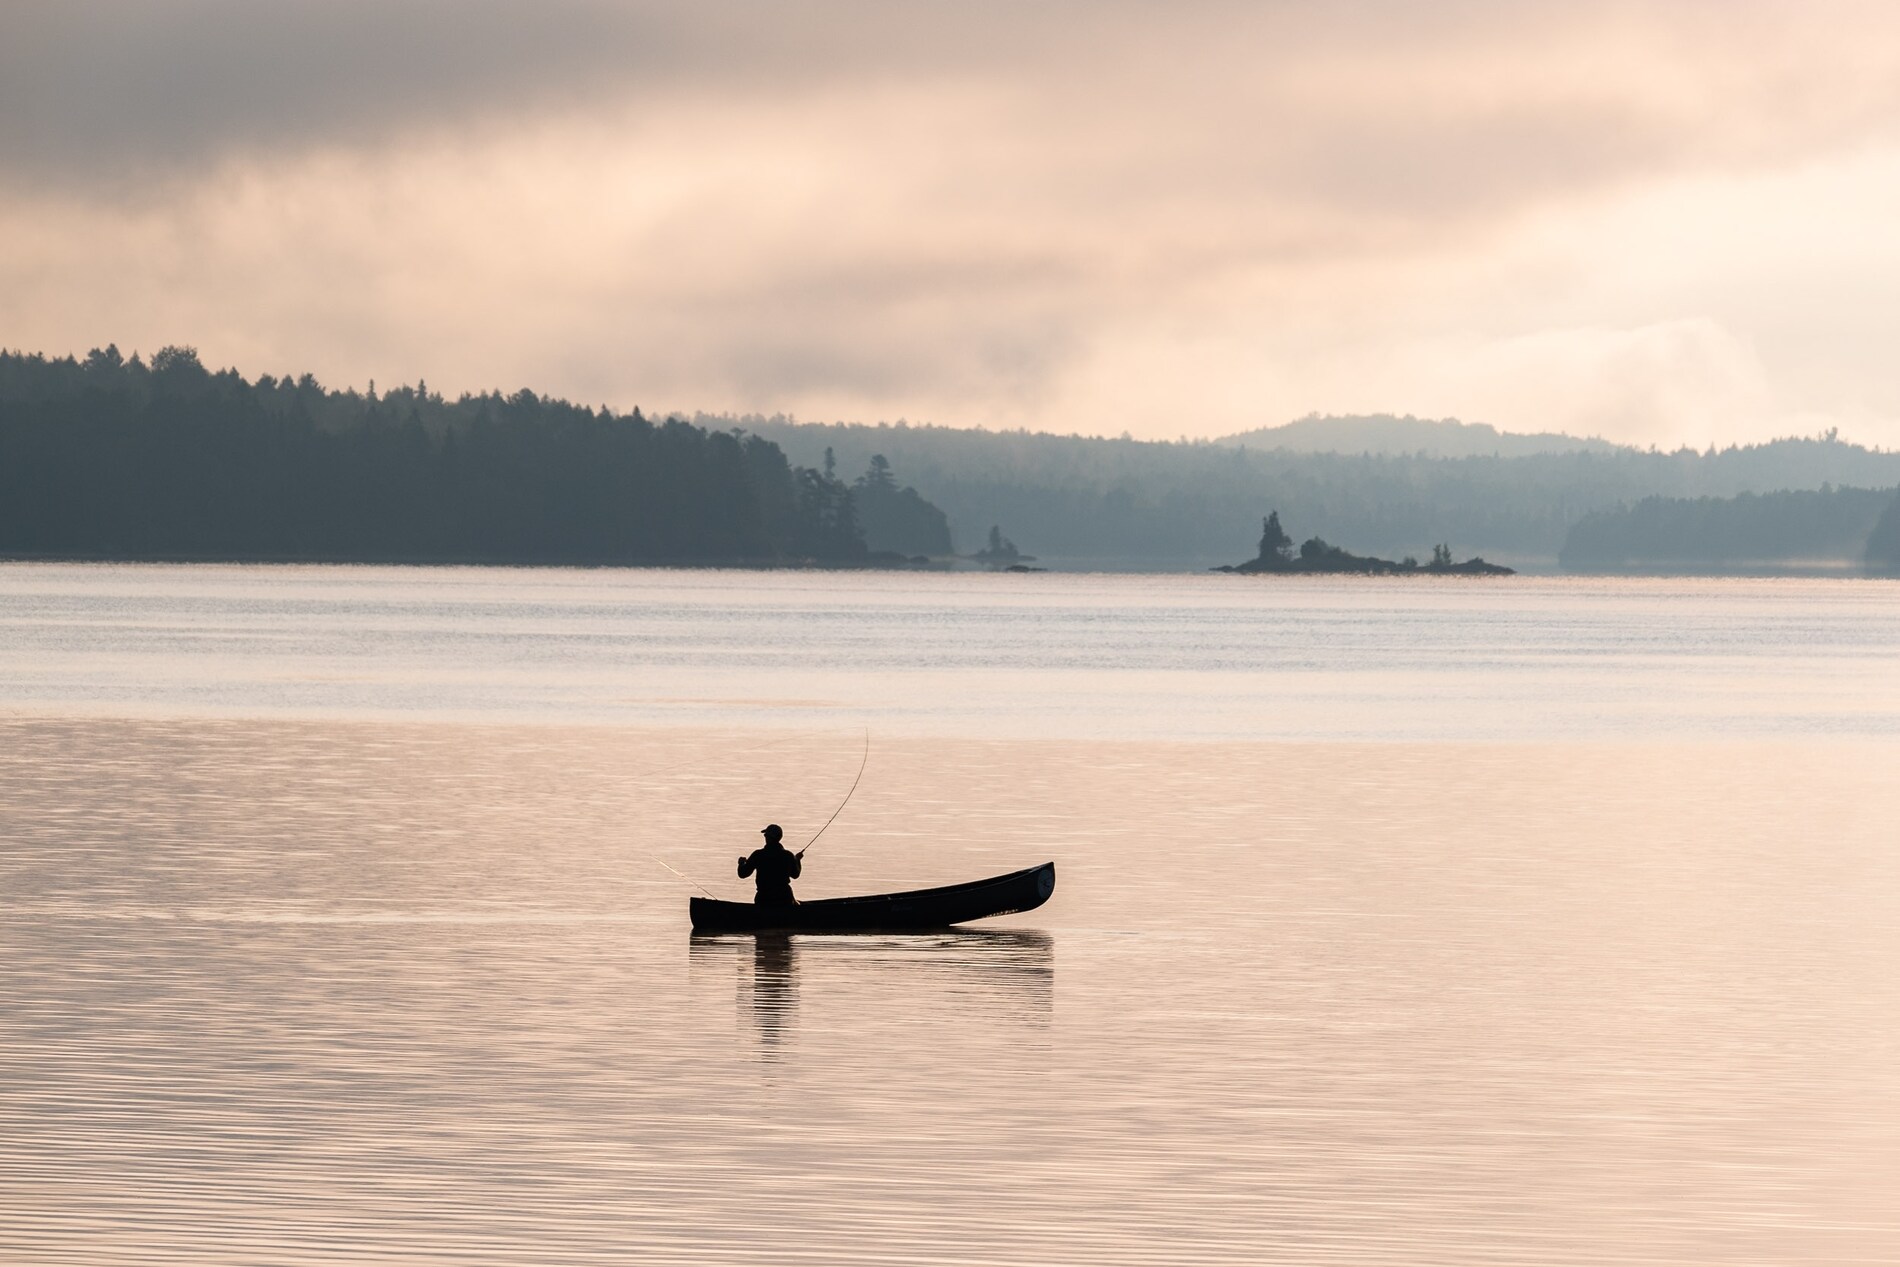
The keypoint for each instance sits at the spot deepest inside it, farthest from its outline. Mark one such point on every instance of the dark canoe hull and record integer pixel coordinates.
(918, 910)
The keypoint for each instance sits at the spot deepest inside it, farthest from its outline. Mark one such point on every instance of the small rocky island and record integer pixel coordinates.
(1002, 555)
(1317, 557)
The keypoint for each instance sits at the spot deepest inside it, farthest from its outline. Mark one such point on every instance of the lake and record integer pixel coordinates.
(343, 918)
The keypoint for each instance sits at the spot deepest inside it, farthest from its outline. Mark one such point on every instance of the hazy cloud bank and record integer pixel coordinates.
(1196, 218)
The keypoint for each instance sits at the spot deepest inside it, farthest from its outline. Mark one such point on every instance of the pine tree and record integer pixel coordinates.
(1274, 543)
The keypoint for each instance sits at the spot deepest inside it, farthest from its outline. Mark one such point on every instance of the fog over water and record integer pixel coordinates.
(1543, 921)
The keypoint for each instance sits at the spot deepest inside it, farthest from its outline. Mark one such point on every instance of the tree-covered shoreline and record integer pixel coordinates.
(114, 458)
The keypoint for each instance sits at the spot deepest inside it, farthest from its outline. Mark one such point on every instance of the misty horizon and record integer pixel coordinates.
(1309, 427)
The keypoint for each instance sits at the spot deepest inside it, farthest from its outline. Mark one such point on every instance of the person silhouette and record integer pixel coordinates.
(776, 866)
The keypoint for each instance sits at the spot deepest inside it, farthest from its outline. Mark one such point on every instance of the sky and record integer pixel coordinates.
(1661, 223)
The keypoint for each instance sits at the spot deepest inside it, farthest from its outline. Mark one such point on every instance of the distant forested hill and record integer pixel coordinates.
(109, 458)
(1132, 503)
(1826, 527)
(1430, 437)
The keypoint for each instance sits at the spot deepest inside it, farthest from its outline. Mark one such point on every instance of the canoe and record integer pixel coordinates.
(918, 910)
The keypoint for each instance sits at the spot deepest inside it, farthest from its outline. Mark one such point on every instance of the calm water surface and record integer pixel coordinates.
(1415, 922)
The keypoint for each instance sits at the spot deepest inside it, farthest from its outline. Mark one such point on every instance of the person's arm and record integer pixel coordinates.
(745, 867)
(798, 865)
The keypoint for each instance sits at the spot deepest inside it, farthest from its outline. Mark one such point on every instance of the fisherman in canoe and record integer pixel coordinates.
(776, 866)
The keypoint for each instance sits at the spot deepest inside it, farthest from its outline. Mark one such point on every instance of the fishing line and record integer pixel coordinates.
(682, 875)
(847, 796)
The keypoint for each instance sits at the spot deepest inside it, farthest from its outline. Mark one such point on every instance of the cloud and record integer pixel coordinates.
(95, 90)
(1197, 217)
(1373, 101)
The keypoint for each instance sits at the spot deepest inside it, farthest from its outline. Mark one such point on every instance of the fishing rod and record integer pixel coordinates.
(847, 796)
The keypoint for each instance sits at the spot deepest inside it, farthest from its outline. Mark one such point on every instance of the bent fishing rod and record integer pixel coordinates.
(847, 796)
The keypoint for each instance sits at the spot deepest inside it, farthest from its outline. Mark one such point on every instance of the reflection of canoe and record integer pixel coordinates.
(885, 912)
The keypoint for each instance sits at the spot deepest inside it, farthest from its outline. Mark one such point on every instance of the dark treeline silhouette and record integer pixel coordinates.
(1130, 502)
(898, 519)
(112, 458)
(1818, 527)
(115, 458)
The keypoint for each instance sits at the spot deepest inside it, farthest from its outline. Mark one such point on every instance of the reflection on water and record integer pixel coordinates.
(774, 986)
(1003, 979)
